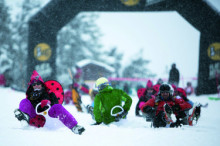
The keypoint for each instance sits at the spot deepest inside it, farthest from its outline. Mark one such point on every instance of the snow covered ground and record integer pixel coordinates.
(133, 131)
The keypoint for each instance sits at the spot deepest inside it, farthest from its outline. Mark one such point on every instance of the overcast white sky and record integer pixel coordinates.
(165, 37)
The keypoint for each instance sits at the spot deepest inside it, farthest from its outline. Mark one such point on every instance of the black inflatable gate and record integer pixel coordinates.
(44, 26)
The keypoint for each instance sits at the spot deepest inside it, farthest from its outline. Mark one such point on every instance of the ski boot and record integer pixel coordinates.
(21, 116)
(89, 109)
(78, 129)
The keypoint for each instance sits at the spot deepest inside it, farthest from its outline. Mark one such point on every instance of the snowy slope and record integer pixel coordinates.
(133, 131)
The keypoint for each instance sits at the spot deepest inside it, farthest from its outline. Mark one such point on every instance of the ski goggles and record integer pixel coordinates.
(36, 83)
(103, 85)
(164, 91)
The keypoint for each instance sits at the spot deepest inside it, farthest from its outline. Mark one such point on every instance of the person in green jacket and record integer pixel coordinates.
(110, 105)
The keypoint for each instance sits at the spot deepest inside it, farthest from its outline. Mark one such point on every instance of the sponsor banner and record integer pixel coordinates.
(214, 51)
(130, 2)
(42, 52)
(145, 79)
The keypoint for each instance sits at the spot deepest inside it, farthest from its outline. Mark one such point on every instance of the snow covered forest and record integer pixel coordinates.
(80, 34)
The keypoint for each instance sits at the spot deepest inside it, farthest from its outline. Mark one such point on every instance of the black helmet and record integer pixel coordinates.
(166, 88)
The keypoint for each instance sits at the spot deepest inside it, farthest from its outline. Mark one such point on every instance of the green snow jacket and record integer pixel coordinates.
(105, 100)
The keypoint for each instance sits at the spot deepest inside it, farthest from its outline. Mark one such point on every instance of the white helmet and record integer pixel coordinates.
(166, 88)
(101, 83)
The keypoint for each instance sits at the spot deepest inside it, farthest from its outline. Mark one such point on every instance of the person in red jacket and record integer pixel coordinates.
(189, 89)
(163, 105)
(180, 92)
(146, 95)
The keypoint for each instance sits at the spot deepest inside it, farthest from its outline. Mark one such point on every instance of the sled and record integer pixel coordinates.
(56, 88)
(167, 116)
(44, 120)
(118, 113)
(214, 98)
(204, 105)
(40, 120)
(77, 100)
(140, 92)
(192, 113)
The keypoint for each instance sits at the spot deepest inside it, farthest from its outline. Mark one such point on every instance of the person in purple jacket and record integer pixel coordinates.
(37, 93)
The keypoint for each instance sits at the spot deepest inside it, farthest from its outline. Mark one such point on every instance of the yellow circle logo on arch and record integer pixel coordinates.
(214, 51)
(130, 2)
(42, 52)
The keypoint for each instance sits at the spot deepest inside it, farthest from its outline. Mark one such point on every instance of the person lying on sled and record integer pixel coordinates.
(36, 93)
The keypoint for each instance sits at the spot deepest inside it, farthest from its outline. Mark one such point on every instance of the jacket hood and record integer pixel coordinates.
(149, 84)
(35, 77)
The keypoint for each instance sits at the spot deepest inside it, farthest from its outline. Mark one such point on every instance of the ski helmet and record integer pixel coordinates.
(101, 83)
(159, 81)
(166, 88)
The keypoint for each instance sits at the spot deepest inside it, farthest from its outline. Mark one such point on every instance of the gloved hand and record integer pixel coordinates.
(137, 114)
(149, 113)
(35, 95)
(44, 103)
(141, 104)
(176, 108)
(97, 123)
(181, 114)
(122, 115)
(148, 109)
(178, 123)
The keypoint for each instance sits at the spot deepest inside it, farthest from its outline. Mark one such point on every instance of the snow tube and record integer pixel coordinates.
(140, 92)
(56, 88)
(38, 121)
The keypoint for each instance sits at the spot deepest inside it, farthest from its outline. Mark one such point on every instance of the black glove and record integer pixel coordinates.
(148, 109)
(176, 108)
(53, 98)
(178, 123)
(35, 95)
(168, 109)
(181, 114)
(150, 113)
(97, 123)
(122, 115)
(137, 114)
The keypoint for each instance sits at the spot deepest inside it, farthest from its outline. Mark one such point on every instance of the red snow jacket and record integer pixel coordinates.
(158, 104)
